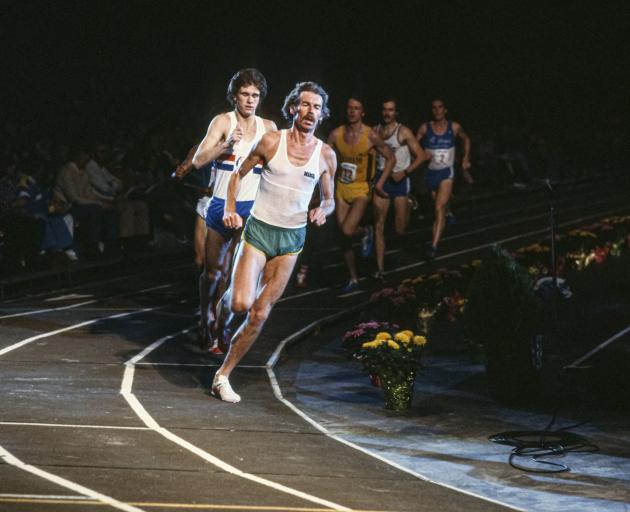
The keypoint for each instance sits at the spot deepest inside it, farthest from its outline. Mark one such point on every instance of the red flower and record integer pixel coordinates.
(601, 253)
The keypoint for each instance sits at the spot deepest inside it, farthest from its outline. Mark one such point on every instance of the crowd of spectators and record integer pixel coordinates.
(61, 203)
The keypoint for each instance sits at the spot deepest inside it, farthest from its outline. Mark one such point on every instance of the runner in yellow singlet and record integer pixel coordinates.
(355, 143)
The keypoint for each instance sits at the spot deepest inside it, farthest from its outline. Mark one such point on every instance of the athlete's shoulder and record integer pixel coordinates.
(269, 140)
(327, 150)
(332, 136)
(422, 130)
(221, 121)
(269, 125)
(329, 156)
(404, 132)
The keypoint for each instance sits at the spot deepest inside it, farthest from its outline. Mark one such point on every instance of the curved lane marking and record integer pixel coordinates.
(9, 458)
(278, 394)
(149, 421)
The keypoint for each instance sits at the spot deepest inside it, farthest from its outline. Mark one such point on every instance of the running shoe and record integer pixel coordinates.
(350, 286)
(450, 218)
(413, 202)
(367, 241)
(221, 389)
(430, 252)
(379, 276)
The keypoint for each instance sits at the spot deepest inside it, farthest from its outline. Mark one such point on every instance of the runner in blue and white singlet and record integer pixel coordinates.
(229, 139)
(441, 149)
(224, 165)
(438, 139)
(409, 156)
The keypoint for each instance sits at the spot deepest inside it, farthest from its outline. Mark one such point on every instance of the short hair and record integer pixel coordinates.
(356, 96)
(293, 99)
(389, 99)
(243, 78)
(439, 98)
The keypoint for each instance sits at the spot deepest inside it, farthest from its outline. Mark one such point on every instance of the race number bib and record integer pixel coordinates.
(441, 158)
(348, 172)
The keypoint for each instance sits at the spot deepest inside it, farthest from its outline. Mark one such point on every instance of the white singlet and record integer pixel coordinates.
(401, 151)
(285, 190)
(231, 161)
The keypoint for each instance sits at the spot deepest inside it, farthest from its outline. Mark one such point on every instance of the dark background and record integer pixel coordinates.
(73, 67)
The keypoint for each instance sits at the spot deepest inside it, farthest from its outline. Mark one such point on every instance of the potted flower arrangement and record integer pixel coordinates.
(359, 334)
(395, 356)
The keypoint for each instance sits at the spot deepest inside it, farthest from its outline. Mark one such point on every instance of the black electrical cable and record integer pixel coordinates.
(540, 444)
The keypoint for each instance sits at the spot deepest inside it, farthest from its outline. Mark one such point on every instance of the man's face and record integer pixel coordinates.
(438, 110)
(100, 153)
(247, 99)
(81, 159)
(308, 112)
(354, 111)
(389, 112)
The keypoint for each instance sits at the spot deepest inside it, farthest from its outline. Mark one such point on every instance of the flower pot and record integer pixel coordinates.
(398, 391)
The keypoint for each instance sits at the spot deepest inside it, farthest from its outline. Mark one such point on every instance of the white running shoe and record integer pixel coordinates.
(221, 389)
(71, 255)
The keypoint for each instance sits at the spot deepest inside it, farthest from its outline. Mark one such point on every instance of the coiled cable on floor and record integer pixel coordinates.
(539, 445)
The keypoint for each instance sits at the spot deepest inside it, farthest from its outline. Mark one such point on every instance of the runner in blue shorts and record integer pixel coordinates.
(438, 140)
(402, 142)
(228, 141)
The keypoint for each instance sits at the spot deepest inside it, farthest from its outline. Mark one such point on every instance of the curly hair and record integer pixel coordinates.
(293, 99)
(243, 78)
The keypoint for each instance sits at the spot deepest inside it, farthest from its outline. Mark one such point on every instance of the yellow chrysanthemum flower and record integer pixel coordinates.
(403, 337)
(393, 344)
(475, 263)
(421, 341)
(383, 336)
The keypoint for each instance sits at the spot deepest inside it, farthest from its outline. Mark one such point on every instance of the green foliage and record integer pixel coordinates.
(502, 308)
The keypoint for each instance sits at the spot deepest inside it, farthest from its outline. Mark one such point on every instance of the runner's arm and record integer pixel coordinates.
(216, 141)
(415, 149)
(326, 186)
(390, 161)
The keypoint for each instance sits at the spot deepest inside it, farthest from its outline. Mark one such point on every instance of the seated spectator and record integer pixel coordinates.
(20, 234)
(37, 203)
(94, 214)
(133, 211)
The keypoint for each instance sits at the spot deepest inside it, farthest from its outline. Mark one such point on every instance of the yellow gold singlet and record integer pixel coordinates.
(356, 166)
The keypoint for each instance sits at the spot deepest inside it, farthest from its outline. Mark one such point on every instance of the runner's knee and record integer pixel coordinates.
(258, 314)
(213, 275)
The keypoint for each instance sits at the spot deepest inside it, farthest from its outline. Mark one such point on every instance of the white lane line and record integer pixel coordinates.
(149, 421)
(66, 425)
(9, 458)
(204, 365)
(79, 304)
(278, 394)
(601, 346)
(20, 344)
(69, 296)
(48, 310)
(305, 294)
(42, 496)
